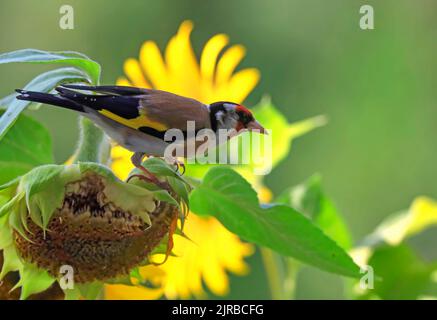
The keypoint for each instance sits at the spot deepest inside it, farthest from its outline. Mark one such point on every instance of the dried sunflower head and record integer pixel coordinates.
(83, 217)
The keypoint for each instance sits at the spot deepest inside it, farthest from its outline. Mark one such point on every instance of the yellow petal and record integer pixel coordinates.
(182, 63)
(212, 251)
(153, 273)
(133, 71)
(209, 56)
(122, 81)
(424, 213)
(240, 85)
(265, 195)
(228, 62)
(123, 292)
(121, 164)
(233, 260)
(153, 65)
(421, 215)
(215, 277)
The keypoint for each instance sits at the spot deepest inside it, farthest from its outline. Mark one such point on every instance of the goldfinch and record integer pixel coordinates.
(138, 118)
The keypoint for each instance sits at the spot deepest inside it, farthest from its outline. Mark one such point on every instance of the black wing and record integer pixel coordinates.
(117, 90)
(125, 106)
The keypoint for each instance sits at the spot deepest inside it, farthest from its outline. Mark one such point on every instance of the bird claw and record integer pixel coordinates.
(159, 184)
(148, 177)
(179, 164)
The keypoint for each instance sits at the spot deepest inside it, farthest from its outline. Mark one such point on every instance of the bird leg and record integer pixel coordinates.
(179, 164)
(136, 159)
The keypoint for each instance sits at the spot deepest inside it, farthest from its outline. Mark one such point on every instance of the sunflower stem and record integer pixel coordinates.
(290, 278)
(274, 272)
(91, 142)
(281, 274)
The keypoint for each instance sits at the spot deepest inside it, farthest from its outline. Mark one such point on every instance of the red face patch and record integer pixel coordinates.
(243, 109)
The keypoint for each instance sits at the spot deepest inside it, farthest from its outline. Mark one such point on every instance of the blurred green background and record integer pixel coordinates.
(377, 87)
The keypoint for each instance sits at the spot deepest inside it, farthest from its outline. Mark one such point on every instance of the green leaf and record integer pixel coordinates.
(225, 195)
(11, 184)
(70, 58)
(90, 291)
(15, 220)
(4, 102)
(283, 132)
(33, 280)
(43, 190)
(27, 145)
(310, 199)
(182, 189)
(400, 253)
(11, 261)
(404, 274)
(72, 294)
(5, 232)
(44, 193)
(161, 168)
(99, 169)
(10, 205)
(44, 83)
(40, 179)
(163, 195)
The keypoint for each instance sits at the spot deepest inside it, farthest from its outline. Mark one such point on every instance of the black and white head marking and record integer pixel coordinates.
(223, 115)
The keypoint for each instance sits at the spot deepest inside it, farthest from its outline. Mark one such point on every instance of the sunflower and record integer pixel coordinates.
(212, 250)
(212, 80)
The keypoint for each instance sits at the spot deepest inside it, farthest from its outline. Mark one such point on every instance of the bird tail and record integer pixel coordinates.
(47, 98)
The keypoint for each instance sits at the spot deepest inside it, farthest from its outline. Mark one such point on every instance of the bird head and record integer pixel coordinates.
(229, 115)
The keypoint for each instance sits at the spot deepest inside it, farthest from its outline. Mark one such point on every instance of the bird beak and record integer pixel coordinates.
(254, 125)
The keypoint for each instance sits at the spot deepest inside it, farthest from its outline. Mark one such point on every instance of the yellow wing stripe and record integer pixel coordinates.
(141, 121)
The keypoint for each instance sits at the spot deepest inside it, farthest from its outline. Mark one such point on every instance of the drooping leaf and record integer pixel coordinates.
(6, 187)
(9, 205)
(44, 83)
(99, 169)
(182, 190)
(27, 145)
(44, 188)
(15, 220)
(225, 195)
(33, 280)
(11, 261)
(40, 179)
(70, 58)
(310, 199)
(160, 167)
(178, 183)
(4, 102)
(163, 195)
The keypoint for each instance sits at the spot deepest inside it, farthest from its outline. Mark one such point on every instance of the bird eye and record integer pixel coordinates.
(245, 118)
